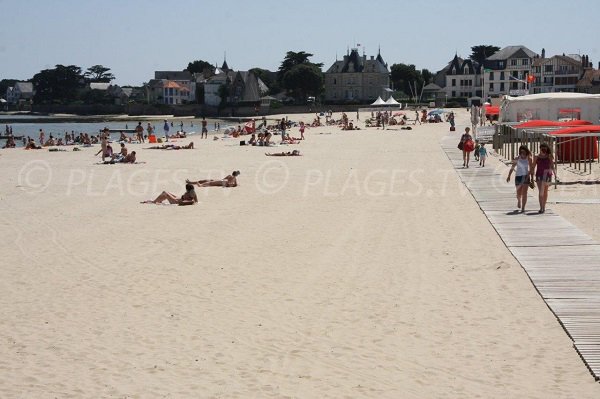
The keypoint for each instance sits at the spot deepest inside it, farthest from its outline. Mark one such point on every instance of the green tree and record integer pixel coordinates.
(427, 76)
(60, 84)
(303, 80)
(481, 52)
(295, 65)
(199, 66)
(404, 77)
(98, 74)
(292, 59)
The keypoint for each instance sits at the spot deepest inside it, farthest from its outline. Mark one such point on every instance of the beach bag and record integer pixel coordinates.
(460, 145)
(469, 145)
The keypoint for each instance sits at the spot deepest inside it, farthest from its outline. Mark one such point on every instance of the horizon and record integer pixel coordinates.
(133, 48)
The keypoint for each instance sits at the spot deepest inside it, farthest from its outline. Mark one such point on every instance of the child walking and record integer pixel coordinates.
(482, 155)
(476, 154)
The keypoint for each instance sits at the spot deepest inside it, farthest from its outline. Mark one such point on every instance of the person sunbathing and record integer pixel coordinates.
(227, 181)
(188, 198)
(294, 153)
(190, 146)
(129, 158)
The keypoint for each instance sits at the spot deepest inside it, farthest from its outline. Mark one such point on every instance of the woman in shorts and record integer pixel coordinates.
(523, 164)
(543, 165)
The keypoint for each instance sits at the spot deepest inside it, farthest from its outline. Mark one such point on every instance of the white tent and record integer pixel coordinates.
(391, 101)
(379, 101)
(550, 106)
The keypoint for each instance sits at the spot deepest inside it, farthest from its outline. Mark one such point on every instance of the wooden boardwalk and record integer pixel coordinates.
(562, 262)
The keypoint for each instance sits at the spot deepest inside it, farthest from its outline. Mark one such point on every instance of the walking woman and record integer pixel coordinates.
(544, 167)
(466, 145)
(524, 167)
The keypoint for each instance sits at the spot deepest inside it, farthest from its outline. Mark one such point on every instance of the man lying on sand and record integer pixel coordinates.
(294, 153)
(188, 198)
(172, 147)
(227, 181)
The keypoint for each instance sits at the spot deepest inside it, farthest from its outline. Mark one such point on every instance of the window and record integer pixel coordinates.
(453, 93)
(548, 68)
(513, 62)
(514, 85)
(500, 64)
(453, 84)
(502, 76)
(537, 69)
(515, 74)
(491, 86)
(525, 61)
(502, 86)
(491, 75)
(334, 81)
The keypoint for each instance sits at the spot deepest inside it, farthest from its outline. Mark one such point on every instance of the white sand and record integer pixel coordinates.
(362, 269)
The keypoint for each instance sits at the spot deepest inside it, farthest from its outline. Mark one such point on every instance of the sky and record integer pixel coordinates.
(136, 37)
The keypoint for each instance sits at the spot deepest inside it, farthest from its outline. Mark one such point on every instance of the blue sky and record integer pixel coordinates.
(134, 37)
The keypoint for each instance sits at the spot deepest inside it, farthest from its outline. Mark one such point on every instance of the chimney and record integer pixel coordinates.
(543, 53)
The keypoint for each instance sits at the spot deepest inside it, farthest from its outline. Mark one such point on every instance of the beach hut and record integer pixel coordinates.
(551, 106)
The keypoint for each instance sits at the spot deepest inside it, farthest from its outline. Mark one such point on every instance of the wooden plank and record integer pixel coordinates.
(562, 262)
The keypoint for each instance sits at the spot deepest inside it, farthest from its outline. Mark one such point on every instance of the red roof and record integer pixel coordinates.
(544, 123)
(579, 129)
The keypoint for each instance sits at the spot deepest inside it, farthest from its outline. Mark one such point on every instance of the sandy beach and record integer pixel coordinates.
(362, 269)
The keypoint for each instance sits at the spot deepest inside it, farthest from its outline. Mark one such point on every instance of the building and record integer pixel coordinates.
(590, 81)
(506, 71)
(243, 87)
(21, 92)
(356, 78)
(559, 73)
(172, 87)
(463, 79)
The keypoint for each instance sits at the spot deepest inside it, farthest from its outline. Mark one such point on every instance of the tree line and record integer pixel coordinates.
(297, 76)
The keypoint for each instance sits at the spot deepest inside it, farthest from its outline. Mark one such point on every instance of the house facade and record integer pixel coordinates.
(590, 80)
(463, 79)
(506, 71)
(244, 87)
(356, 78)
(559, 73)
(172, 87)
(21, 92)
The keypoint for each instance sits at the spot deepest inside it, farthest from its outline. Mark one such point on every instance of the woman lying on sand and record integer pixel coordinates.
(227, 181)
(294, 153)
(188, 198)
(190, 146)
